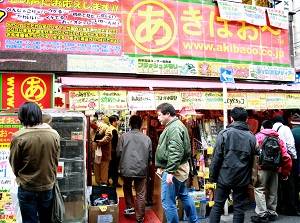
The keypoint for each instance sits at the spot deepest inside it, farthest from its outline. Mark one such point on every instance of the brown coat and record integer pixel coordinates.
(104, 143)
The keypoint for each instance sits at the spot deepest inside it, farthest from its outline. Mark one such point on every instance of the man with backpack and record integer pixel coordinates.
(273, 158)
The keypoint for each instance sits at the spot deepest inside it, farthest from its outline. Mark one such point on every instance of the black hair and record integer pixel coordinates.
(267, 124)
(239, 114)
(166, 107)
(135, 122)
(30, 114)
(113, 118)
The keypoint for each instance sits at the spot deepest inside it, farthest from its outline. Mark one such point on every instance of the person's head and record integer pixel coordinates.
(105, 120)
(278, 118)
(94, 122)
(166, 112)
(295, 119)
(30, 114)
(266, 124)
(98, 114)
(238, 114)
(114, 120)
(135, 122)
(47, 118)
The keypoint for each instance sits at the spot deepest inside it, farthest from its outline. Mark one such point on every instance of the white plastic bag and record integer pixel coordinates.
(15, 201)
(98, 155)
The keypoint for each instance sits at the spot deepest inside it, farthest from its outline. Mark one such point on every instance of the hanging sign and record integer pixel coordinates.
(140, 101)
(256, 101)
(275, 101)
(255, 15)
(278, 18)
(172, 97)
(231, 11)
(292, 100)
(236, 100)
(192, 100)
(113, 100)
(84, 100)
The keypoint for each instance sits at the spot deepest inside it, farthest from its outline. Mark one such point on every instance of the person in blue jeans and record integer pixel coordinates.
(171, 160)
(34, 154)
(231, 165)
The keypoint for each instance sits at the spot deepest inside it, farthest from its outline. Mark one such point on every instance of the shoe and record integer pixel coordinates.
(129, 211)
(272, 217)
(103, 184)
(258, 219)
(117, 185)
(140, 221)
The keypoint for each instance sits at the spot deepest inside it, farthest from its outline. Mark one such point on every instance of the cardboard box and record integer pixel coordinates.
(104, 214)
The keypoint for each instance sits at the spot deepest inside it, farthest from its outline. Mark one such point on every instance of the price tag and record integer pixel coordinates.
(103, 208)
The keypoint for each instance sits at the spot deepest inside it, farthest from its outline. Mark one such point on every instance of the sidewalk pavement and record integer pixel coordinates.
(250, 212)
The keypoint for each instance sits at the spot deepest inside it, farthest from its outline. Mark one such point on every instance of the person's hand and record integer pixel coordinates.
(285, 177)
(169, 179)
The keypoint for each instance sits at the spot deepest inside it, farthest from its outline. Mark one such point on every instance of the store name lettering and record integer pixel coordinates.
(11, 92)
(10, 120)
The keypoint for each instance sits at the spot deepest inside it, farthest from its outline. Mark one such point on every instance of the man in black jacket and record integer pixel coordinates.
(231, 165)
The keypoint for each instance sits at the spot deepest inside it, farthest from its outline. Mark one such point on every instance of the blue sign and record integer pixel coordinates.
(226, 75)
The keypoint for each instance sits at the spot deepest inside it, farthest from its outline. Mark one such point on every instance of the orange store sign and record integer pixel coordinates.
(18, 88)
(174, 28)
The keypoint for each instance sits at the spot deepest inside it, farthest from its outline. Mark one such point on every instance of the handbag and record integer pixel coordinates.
(98, 155)
(58, 206)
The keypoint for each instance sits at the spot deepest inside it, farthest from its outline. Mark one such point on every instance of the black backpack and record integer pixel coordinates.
(270, 157)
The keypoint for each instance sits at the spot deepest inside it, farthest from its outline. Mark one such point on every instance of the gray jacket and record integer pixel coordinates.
(135, 150)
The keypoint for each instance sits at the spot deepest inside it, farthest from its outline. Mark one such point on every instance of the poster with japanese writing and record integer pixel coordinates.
(172, 97)
(255, 15)
(192, 100)
(236, 99)
(84, 100)
(278, 18)
(260, 72)
(141, 101)
(292, 100)
(17, 88)
(256, 100)
(213, 100)
(167, 66)
(116, 100)
(275, 100)
(231, 11)
(195, 30)
(80, 27)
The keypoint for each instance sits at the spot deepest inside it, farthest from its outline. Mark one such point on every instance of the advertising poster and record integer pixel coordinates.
(192, 100)
(18, 88)
(141, 101)
(172, 97)
(75, 27)
(84, 100)
(292, 100)
(256, 100)
(196, 30)
(275, 100)
(213, 100)
(236, 99)
(113, 100)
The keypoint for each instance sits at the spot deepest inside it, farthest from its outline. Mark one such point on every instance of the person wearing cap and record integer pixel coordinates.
(295, 121)
(231, 165)
(287, 187)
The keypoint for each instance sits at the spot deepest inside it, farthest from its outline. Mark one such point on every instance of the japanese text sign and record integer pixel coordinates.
(18, 88)
(236, 100)
(275, 101)
(192, 100)
(141, 100)
(84, 100)
(292, 100)
(175, 28)
(113, 100)
(256, 101)
(172, 97)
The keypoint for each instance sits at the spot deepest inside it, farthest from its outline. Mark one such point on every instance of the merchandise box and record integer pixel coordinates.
(104, 214)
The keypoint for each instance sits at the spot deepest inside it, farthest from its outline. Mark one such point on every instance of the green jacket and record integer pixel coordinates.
(174, 146)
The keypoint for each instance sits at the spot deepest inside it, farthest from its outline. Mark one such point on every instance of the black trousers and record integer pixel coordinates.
(288, 192)
(114, 167)
(239, 195)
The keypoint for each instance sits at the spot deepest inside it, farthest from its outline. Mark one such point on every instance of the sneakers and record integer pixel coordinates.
(272, 217)
(258, 219)
(129, 211)
(140, 221)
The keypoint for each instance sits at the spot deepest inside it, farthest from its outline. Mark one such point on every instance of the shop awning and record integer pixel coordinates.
(164, 83)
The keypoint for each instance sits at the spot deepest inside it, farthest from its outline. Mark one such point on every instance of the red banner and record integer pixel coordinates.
(195, 30)
(18, 88)
(81, 26)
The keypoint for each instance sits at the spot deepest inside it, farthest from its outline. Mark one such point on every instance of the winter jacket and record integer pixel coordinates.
(104, 143)
(135, 151)
(286, 135)
(34, 154)
(287, 161)
(174, 147)
(233, 155)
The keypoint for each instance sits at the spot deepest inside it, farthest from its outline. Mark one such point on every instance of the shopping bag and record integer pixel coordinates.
(58, 206)
(98, 155)
(15, 201)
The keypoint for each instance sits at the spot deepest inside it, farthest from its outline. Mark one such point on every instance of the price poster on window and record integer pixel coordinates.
(213, 100)
(192, 100)
(256, 101)
(171, 97)
(84, 100)
(141, 101)
(275, 100)
(113, 100)
(236, 100)
(292, 100)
